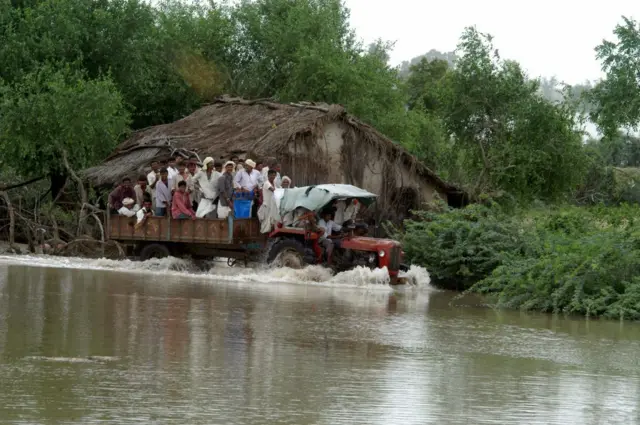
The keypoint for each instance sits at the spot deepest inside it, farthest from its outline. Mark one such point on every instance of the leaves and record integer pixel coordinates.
(616, 99)
(564, 260)
(465, 245)
(49, 112)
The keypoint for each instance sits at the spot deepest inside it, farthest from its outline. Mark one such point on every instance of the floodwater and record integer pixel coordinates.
(113, 344)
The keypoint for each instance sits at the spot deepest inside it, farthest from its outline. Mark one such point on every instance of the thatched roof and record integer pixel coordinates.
(229, 126)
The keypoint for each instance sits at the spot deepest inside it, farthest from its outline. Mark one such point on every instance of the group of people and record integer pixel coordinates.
(330, 223)
(186, 189)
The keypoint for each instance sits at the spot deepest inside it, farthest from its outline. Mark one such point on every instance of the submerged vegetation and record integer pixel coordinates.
(554, 228)
(574, 260)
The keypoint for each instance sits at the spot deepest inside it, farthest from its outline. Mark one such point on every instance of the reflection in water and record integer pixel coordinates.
(82, 347)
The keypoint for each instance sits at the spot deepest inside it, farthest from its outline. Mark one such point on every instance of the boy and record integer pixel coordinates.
(181, 206)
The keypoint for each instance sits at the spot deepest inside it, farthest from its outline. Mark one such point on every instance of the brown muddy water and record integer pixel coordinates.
(131, 346)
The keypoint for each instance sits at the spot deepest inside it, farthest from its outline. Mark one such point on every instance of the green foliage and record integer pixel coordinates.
(618, 150)
(167, 59)
(424, 83)
(579, 263)
(460, 246)
(48, 114)
(612, 175)
(506, 135)
(616, 98)
(572, 260)
(281, 42)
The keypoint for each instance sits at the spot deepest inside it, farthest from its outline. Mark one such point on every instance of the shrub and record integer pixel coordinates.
(569, 260)
(581, 261)
(593, 275)
(460, 246)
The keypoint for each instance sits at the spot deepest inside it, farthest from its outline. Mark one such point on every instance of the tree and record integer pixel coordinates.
(51, 115)
(508, 137)
(140, 46)
(433, 54)
(277, 40)
(424, 82)
(616, 98)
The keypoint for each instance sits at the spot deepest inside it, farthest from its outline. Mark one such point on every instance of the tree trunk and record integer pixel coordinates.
(12, 219)
(58, 182)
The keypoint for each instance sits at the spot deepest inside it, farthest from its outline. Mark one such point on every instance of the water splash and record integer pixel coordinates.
(417, 275)
(316, 275)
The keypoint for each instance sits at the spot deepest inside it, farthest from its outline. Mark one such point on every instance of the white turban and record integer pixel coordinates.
(128, 201)
(250, 163)
(206, 161)
(229, 163)
(285, 178)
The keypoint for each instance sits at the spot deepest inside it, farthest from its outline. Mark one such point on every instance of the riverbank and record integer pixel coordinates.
(561, 259)
(18, 248)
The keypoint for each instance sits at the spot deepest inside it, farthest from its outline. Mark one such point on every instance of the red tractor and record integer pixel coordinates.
(299, 244)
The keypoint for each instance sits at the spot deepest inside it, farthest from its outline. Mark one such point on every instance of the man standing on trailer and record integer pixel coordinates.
(225, 191)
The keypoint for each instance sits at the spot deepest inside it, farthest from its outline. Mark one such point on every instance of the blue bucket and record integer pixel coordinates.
(243, 196)
(242, 208)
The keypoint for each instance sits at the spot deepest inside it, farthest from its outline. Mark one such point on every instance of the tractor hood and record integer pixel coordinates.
(363, 243)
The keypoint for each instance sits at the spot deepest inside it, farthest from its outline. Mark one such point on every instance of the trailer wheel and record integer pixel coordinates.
(404, 268)
(287, 253)
(154, 250)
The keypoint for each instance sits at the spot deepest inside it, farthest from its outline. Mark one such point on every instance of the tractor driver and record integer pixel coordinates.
(327, 239)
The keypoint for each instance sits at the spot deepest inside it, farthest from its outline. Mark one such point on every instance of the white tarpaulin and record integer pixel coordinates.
(315, 198)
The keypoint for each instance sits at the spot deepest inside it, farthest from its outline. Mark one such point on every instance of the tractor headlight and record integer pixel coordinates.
(381, 253)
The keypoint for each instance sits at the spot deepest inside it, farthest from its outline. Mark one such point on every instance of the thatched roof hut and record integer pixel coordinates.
(315, 143)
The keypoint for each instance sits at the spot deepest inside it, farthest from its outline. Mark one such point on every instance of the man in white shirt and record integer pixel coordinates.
(249, 181)
(273, 165)
(163, 194)
(141, 189)
(172, 169)
(268, 212)
(346, 209)
(143, 213)
(182, 175)
(129, 208)
(248, 177)
(327, 224)
(152, 178)
(206, 181)
(192, 172)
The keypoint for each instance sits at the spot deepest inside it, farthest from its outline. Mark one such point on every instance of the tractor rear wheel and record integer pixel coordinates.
(154, 250)
(287, 253)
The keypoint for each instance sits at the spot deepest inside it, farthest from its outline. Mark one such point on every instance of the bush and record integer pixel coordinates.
(460, 246)
(569, 260)
(579, 262)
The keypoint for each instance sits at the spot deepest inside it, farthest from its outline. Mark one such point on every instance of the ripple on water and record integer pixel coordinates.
(120, 349)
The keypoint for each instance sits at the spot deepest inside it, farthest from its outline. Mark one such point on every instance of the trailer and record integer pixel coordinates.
(241, 240)
(158, 237)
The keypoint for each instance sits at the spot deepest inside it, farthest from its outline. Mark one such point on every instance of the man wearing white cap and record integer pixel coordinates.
(248, 178)
(206, 180)
(129, 208)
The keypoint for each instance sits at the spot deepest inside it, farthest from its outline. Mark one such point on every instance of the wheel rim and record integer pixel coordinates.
(289, 258)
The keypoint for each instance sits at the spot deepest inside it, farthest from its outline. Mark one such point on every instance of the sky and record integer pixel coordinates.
(547, 37)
